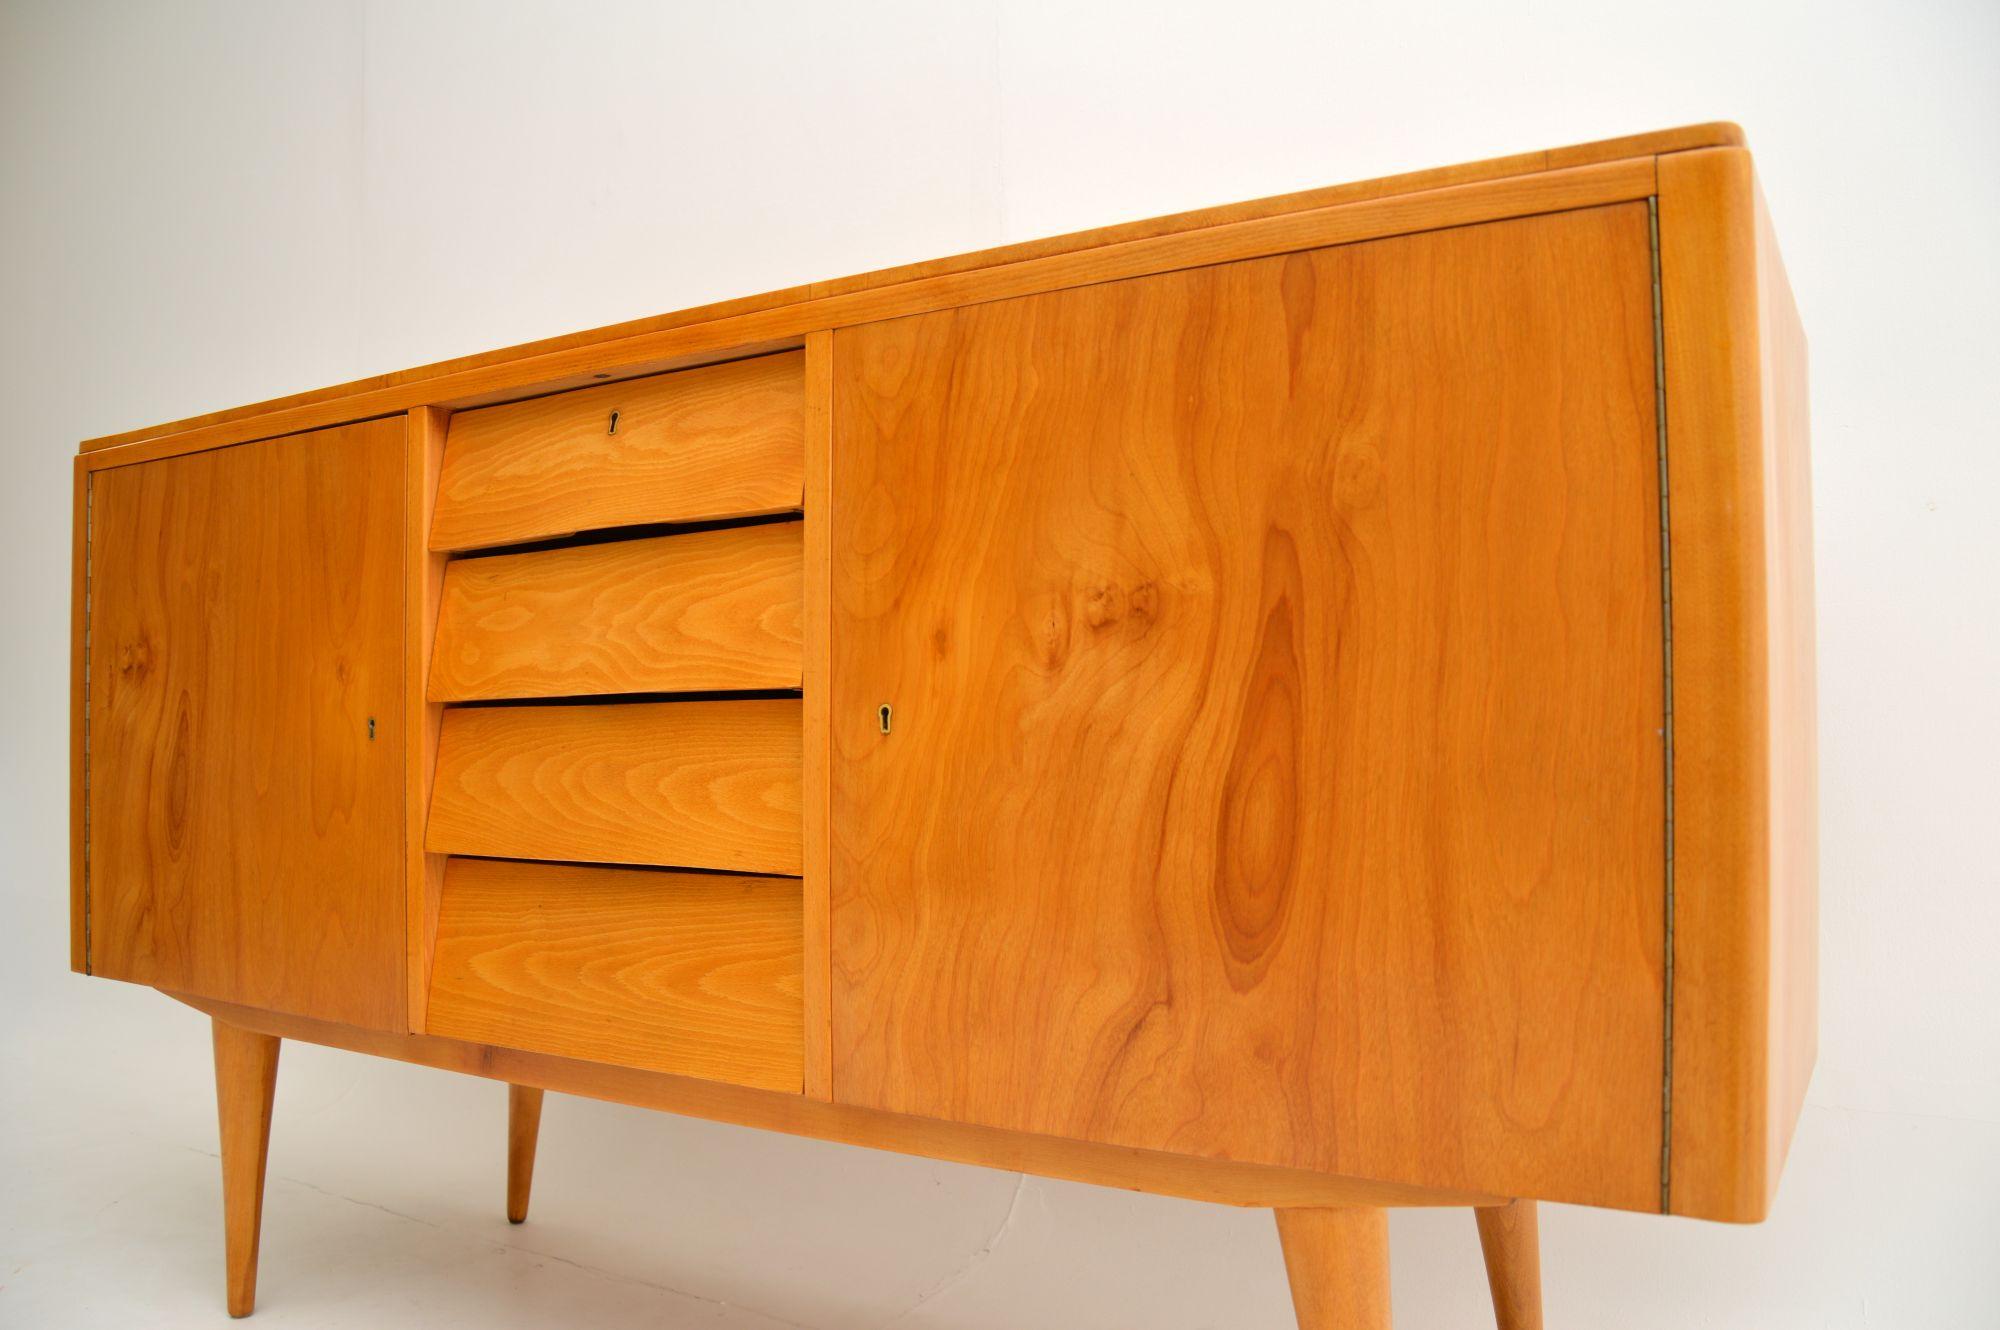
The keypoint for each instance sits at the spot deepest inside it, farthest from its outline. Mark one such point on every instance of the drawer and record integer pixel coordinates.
(697, 974)
(710, 610)
(687, 784)
(720, 441)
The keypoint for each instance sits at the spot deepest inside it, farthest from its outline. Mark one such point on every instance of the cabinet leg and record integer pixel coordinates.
(524, 1128)
(1510, 1235)
(246, 1075)
(1338, 1264)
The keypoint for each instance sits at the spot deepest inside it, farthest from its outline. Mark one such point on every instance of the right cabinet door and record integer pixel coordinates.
(1274, 767)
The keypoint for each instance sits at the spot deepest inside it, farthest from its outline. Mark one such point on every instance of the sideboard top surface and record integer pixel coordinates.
(243, 422)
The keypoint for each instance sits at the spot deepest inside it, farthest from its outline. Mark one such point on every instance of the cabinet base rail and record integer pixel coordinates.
(1333, 1230)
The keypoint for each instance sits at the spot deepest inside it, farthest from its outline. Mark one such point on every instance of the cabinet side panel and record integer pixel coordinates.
(79, 722)
(1746, 984)
(247, 735)
(1275, 767)
(1794, 794)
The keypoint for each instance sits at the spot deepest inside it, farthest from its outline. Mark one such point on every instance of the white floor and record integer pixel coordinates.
(384, 1210)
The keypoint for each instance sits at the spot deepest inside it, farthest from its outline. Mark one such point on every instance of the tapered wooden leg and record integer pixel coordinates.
(1338, 1263)
(246, 1075)
(1510, 1235)
(524, 1127)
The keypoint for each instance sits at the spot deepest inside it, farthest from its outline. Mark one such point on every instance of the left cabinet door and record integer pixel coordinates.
(243, 694)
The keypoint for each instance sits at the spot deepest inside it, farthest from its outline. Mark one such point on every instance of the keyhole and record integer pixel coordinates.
(614, 424)
(371, 728)
(883, 714)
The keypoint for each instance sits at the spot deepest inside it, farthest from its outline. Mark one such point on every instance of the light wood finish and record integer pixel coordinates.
(1338, 1264)
(1353, 712)
(788, 323)
(724, 441)
(1510, 1239)
(425, 383)
(705, 610)
(1745, 761)
(423, 590)
(245, 636)
(691, 973)
(524, 1129)
(1277, 708)
(683, 784)
(246, 1078)
(1220, 1181)
(814, 720)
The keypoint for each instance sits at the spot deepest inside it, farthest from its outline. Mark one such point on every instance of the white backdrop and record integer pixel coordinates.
(204, 204)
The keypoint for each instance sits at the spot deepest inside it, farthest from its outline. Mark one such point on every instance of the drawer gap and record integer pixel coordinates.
(607, 535)
(666, 870)
(634, 699)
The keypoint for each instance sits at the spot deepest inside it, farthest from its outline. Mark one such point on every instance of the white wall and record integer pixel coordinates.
(210, 203)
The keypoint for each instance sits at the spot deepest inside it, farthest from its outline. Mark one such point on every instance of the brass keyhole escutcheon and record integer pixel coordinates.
(884, 715)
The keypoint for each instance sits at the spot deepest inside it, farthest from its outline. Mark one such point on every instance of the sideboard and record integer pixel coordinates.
(1304, 704)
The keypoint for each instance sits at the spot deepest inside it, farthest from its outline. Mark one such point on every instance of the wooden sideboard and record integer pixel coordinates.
(1304, 704)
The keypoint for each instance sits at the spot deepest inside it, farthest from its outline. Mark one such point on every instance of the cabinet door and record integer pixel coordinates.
(245, 723)
(1274, 768)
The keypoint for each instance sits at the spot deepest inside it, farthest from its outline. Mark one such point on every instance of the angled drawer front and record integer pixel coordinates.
(720, 441)
(687, 784)
(696, 974)
(708, 610)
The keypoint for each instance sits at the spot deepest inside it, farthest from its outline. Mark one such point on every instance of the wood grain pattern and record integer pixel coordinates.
(1599, 152)
(1745, 761)
(706, 610)
(247, 724)
(741, 333)
(1510, 1240)
(691, 973)
(722, 441)
(1338, 1263)
(423, 590)
(1276, 661)
(684, 784)
(246, 1078)
(524, 1131)
(1223, 1182)
(815, 704)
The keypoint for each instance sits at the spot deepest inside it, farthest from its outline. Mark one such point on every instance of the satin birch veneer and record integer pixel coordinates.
(1305, 704)
(695, 974)
(709, 610)
(696, 784)
(1317, 589)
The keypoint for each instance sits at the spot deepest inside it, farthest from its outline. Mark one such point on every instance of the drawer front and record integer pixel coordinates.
(721, 441)
(709, 610)
(688, 784)
(696, 974)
